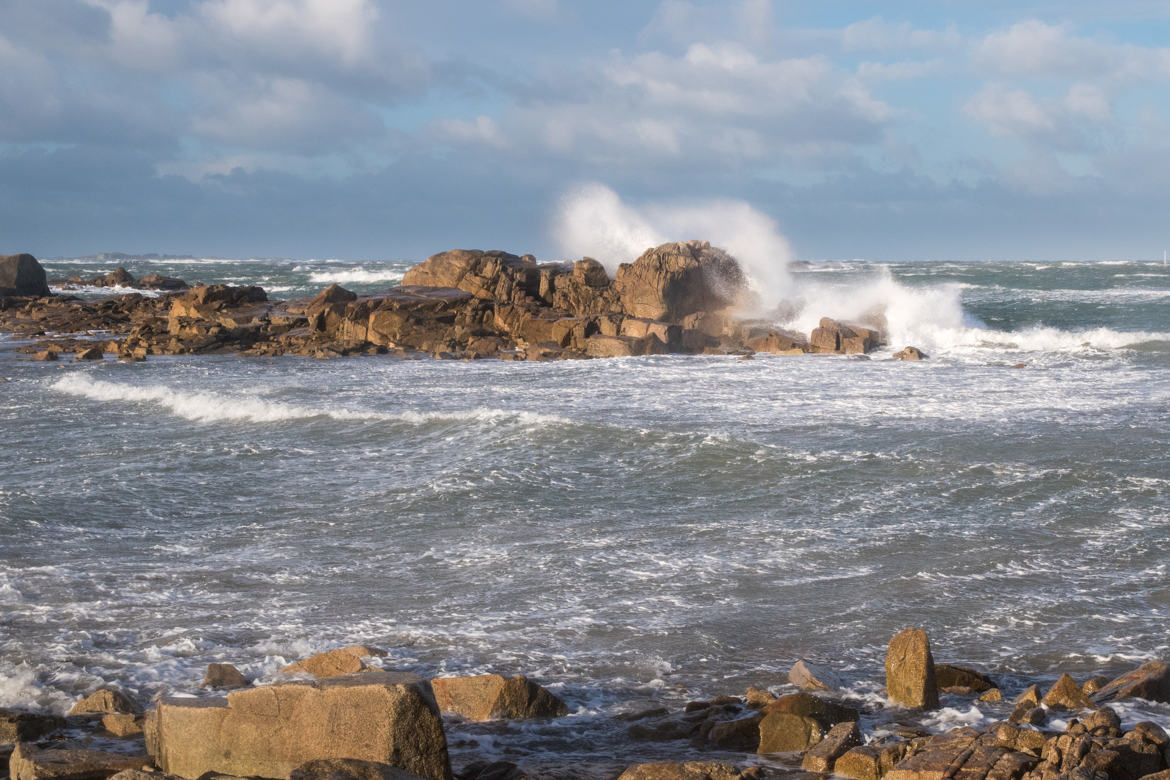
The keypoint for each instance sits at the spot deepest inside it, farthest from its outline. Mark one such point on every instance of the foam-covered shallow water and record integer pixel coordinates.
(627, 531)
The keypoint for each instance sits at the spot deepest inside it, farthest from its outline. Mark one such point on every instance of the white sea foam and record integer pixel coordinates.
(88, 289)
(217, 407)
(358, 275)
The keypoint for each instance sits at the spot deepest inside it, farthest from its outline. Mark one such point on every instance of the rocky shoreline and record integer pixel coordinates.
(338, 715)
(688, 298)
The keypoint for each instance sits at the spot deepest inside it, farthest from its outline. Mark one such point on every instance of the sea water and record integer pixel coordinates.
(628, 532)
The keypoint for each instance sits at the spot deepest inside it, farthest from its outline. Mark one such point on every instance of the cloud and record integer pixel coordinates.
(337, 29)
(1064, 122)
(878, 35)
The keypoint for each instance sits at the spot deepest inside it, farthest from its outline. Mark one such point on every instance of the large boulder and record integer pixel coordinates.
(29, 762)
(22, 275)
(1065, 694)
(268, 731)
(823, 755)
(800, 720)
(492, 696)
(910, 678)
(838, 338)
(1149, 681)
(105, 700)
(672, 281)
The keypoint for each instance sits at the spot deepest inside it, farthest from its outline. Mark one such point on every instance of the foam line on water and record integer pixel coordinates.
(358, 275)
(213, 407)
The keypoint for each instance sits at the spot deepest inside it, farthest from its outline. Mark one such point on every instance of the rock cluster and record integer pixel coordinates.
(120, 277)
(676, 298)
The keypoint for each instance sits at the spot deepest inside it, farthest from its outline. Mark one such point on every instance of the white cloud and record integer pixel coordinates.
(1089, 101)
(1009, 112)
(898, 71)
(1034, 48)
(339, 29)
(141, 39)
(881, 36)
(1067, 123)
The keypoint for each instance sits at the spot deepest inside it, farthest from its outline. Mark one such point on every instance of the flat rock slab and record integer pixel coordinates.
(962, 755)
(32, 763)
(384, 717)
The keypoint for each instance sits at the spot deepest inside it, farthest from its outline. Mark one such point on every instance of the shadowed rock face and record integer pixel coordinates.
(269, 731)
(22, 275)
(910, 678)
(491, 696)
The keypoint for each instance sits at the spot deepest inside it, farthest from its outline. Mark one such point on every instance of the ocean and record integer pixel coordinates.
(629, 532)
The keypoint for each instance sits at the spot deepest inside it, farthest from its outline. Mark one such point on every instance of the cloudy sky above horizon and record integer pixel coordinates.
(377, 129)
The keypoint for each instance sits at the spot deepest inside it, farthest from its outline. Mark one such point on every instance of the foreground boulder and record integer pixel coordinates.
(29, 762)
(22, 275)
(910, 677)
(492, 697)
(384, 717)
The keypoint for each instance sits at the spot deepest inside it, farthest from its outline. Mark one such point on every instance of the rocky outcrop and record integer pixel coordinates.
(21, 275)
(29, 762)
(965, 753)
(672, 281)
(492, 697)
(836, 337)
(910, 676)
(269, 731)
(120, 277)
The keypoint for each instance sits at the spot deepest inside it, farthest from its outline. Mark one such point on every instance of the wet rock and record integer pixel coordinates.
(910, 675)
(1066, 694)
(224, 676)
(348, 769)
(860, 763)
(911, 353)
(672, 281)
(492, 696)
(811, 677)
(758, 698)
(160, 282)
(823, 756)
(962, 753)
(1030, 695)
(693, 770)
(105, 700)
(29, 762)
(741, 734)
(838, 338)
(269, 731)
(798, 721)
(17, 726)
(991, 696)
(22, 275)
(1104, 722)
(493, 770)
(1149, 681)
(92, 353)
(635, 715)
(665, 729)
(950, 676)
(119, 277)
(122, 724)
(334, 663)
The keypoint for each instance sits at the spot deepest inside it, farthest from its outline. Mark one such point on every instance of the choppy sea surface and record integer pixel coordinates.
(628, 531)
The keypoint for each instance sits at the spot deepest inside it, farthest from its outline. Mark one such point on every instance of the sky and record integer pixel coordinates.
(956, 130)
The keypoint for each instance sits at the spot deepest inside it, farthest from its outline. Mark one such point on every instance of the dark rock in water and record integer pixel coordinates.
(17, 726)
(22, 275)
(119, 277)
(672, 281)
(105, 700)
(224, 676)
(800, 720)
(348, 769)
(693, 770)
(29, 762)
(1149, 681)
(268, 731)
(950, 676)
(910, 676)
(492, 696)
(160, 282)
(92, 353)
